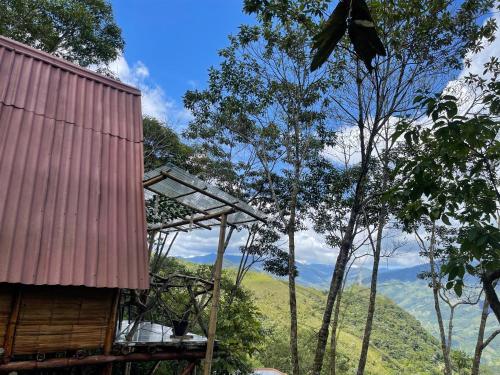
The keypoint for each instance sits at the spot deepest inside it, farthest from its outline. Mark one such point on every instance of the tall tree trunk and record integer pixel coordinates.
(377, 249)
(340, 265)
(435, 292)
(333, 335)
(292, 223)
(373, 294)
(294, 351)
(338, 275)
(450, 330)
(348, 237)
(480, 338)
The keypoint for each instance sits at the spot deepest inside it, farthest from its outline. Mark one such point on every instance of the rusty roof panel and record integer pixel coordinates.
(37, 86)
(71, 168)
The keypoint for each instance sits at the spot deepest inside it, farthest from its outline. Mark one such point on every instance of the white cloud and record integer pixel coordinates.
(202, 241)
(492, 49)
(467, 96)
(346, 152)
(155, 102)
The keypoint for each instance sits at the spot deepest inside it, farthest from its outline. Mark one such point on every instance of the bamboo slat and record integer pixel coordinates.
(53, 319)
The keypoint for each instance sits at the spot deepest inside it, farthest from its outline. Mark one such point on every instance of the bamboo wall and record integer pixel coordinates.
(56, 318)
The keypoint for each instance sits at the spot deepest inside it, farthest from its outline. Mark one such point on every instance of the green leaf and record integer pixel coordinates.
(470, 269)
(445, 219)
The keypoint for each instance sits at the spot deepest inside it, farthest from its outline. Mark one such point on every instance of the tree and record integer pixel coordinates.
(162, 144)
(260, 247)
(425, 41)
(240, 333)
(436, 251)
(452, 176)
(264, 103)
(481, 343)
(81, 31)
(381, 182)
(435, 284)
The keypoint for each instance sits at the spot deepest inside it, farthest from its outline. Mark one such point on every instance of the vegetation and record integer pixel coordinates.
(81, 31)
(263, 101)
(400, 345)
(415, 297)
(422, 160)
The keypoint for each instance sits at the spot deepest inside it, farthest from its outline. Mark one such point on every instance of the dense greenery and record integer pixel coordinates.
(82, 31)
(162, 144)
(450, 173)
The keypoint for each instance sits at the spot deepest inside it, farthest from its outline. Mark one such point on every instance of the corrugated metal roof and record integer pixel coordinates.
(71, 168)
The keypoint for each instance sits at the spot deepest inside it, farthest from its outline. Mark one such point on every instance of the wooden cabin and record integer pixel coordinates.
(72, 220)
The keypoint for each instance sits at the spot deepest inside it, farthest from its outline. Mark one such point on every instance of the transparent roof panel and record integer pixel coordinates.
(204, 200)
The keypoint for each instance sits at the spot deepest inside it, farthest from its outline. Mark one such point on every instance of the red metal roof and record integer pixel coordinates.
(71, 169)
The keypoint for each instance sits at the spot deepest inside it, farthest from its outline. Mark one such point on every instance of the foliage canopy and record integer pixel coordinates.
(82, 31)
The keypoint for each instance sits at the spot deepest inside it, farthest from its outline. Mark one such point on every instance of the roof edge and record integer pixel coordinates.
(66, 65)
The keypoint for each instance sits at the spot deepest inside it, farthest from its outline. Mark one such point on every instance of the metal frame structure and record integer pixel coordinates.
(207, 202)
(211, 207)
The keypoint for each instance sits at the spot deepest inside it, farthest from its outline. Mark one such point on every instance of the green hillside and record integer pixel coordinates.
(416, 298)
(400, 345)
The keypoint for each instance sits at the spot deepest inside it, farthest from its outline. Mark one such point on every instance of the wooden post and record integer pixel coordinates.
(110, 332)
(10, 333)
(215, 297)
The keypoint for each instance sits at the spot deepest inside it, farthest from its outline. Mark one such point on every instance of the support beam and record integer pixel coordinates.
(215, 297)
(194, 220)
(110, 332)
(10, 333)
(99, 360)
(154, 180)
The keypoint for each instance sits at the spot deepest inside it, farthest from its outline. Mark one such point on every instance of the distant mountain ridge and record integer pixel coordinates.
(319, 275)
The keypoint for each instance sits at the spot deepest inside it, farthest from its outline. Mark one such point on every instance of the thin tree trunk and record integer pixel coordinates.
(338, 275)
(291, 248)
(480, 338)
(340, 266)
(373, 294)
(333, 336)
(435, 292)
(348, 238)
(376, 261)
(293, 302)
(450, 330)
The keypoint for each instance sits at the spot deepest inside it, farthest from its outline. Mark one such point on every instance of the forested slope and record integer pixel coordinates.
(400, 344)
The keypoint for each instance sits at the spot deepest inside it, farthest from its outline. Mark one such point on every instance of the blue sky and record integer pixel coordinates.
(176, 40)
(170, 45)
